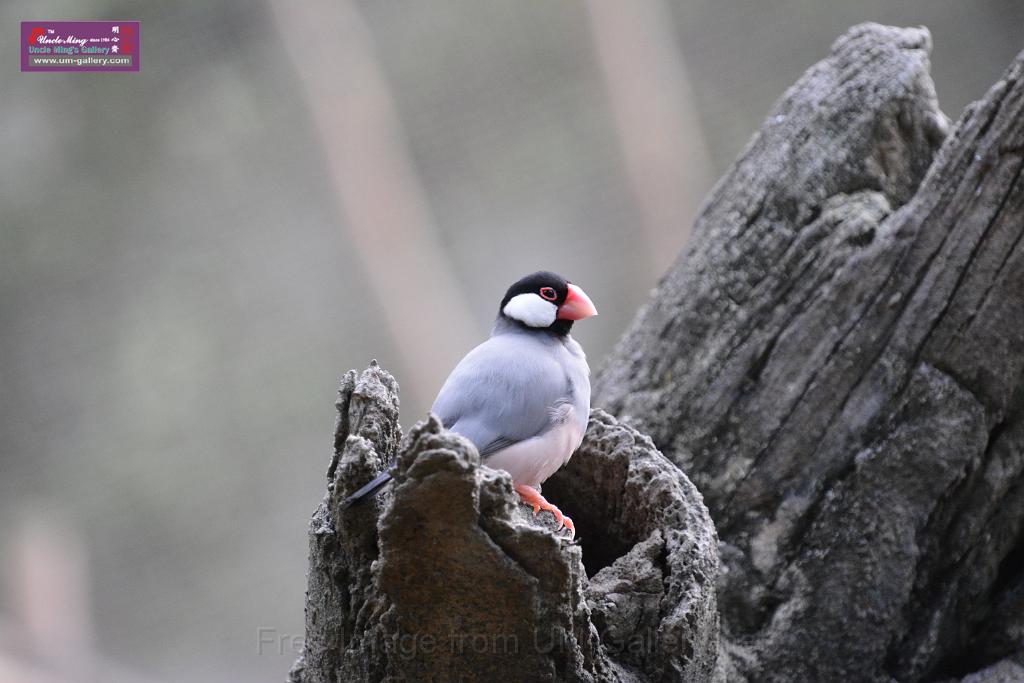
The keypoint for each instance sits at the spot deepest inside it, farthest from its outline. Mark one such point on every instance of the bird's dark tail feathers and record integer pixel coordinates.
(368, 490)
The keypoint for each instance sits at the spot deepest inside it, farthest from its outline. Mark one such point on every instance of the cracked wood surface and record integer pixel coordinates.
(444, 577)
(836, 361)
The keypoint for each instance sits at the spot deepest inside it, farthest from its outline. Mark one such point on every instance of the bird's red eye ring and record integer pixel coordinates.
(548, 293)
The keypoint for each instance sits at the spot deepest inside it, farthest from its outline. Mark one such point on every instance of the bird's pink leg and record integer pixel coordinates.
(532, 497)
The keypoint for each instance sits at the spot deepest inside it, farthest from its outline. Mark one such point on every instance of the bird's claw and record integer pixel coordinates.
(532, 497)
(565, 522)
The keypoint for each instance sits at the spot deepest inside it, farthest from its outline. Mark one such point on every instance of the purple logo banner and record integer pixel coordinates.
(80, 46)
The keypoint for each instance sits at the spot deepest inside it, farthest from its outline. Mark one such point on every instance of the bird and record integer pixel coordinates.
(522, 397)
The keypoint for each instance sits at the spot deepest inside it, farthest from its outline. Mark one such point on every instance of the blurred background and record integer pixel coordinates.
(191, 256)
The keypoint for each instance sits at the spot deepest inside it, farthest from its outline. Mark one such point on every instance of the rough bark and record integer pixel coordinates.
(836, 360)
(444, 577)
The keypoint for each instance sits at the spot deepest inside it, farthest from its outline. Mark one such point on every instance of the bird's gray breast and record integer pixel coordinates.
(531, 461)
(522, 396)
(577, 374)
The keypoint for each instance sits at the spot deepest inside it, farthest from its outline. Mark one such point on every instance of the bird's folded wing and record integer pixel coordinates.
(503, 392)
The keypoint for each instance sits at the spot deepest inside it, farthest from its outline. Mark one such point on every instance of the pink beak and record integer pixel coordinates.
(577, 305)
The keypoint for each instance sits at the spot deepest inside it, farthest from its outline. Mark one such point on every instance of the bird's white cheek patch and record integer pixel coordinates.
(531, 310)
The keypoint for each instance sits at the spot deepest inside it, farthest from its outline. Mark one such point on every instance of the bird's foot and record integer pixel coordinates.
(532, 497)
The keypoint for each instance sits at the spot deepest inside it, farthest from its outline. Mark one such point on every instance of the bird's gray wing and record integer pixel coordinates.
(502, 392)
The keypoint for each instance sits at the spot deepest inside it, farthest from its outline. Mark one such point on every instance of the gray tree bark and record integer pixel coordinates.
(443, 577)
(837, 360)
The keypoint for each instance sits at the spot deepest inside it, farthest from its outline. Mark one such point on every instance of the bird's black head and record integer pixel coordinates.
(545, 300)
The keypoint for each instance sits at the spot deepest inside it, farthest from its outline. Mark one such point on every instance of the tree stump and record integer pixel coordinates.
(444, 577)
(836, 360)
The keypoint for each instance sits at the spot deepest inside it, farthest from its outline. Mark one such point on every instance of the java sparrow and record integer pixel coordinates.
(523, 396)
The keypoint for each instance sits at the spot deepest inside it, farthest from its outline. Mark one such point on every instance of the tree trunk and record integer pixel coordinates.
(836, 361)
(443, 577)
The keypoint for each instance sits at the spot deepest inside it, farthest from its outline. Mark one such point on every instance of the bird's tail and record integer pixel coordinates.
(368, 490)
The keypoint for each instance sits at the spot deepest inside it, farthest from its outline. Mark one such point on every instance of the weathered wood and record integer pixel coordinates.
(836, 361)
(444, 577)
